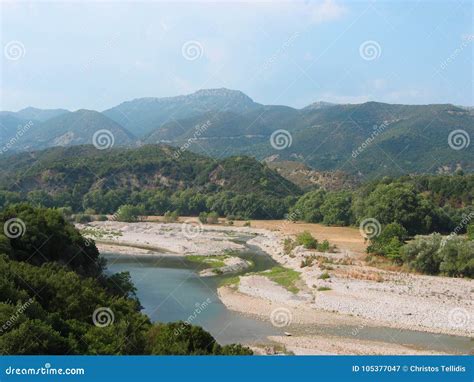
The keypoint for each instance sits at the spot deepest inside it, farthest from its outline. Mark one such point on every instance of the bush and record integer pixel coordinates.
(203, 217)
(212, 218)
(82, 218)
(324, 246)
(389, 242)
(171, 217)
(324, 276)
(433, 254)
(307, 240)
(288, 246)
(247, 223)
(129, 213)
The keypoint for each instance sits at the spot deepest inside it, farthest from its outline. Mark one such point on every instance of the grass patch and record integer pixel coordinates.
(210, 261)
(230, 281)
(285, 277)
(323, 289)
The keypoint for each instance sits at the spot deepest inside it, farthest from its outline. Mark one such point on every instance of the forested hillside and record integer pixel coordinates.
(56, 298)
(160, 178)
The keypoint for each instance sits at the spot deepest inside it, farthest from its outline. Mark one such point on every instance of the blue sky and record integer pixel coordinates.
(96, 55)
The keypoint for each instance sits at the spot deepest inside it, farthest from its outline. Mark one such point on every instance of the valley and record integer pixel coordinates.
(380, 311)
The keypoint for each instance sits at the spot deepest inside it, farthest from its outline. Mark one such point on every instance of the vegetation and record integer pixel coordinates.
(209, 217)
(83, 177)
(285, 277)
(433, 254)
(420, 204)
(129, 213)
(389, 242)
(52, 283)
(309, 242)
(324, 276)
(214, 261)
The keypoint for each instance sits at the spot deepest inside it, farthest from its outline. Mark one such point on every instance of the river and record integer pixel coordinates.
(170, 289)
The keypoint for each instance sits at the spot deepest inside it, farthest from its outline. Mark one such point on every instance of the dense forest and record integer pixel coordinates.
(56, 299)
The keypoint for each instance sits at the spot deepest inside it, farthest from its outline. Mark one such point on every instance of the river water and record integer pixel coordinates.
(170, 289)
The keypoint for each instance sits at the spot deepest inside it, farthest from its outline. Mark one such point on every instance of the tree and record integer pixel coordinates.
(389, 241)
(308, 206)
(129, 213)
(336, 209)
(422, 254)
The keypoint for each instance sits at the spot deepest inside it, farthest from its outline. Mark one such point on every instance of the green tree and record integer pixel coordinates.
(129, 213)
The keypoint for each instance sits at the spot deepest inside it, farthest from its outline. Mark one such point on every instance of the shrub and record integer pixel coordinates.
(247, 223)
(203, 217)
(307, 261)
(212, 218)
(288, 246)
(307, 240)
(389, 242)
(324, 276)
(129, 213)
(82, 218)
(324, 246)
(171, 217)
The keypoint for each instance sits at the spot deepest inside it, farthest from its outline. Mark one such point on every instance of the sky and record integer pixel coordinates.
(95, 55)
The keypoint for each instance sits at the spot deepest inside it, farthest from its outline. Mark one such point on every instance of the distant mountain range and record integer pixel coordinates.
(367, 140)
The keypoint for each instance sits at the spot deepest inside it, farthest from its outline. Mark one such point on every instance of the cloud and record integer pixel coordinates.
(326, 10)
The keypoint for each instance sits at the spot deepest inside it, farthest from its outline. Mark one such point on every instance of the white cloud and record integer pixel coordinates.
(326, 10)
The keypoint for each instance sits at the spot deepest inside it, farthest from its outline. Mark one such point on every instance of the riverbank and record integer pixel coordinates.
(337, 289)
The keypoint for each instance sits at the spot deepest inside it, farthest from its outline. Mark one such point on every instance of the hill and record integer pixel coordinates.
(158, 176)
(75, 128)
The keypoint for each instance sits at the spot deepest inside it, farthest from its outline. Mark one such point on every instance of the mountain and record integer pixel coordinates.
(367, 139)
(142, 115)
(319, 105)
(41, 115)
(34, 114)
(73, 128)
(9, 125)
